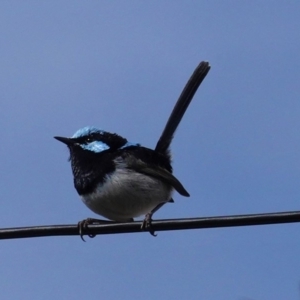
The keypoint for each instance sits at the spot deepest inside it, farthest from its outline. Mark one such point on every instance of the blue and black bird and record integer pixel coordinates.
(120, 180)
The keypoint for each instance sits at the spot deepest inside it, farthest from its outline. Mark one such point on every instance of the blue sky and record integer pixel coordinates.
(120, 66)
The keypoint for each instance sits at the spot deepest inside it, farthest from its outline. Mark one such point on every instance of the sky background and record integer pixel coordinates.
(120, 66)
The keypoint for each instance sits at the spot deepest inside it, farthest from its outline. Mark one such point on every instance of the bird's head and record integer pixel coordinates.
(94, 140)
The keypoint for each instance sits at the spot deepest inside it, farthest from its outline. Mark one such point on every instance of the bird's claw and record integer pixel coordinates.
(83, 227)
(147, 224)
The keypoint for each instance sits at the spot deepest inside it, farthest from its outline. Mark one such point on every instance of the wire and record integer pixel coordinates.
(159, 225)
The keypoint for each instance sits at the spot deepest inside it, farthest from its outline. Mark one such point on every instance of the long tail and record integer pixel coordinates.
(181, 106)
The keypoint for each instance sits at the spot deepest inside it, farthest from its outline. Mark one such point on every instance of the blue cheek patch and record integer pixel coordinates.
(96, 146)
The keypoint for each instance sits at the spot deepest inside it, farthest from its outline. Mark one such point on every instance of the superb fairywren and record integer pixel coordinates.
(121, 180)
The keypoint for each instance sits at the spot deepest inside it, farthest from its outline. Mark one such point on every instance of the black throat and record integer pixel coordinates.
(89, 168)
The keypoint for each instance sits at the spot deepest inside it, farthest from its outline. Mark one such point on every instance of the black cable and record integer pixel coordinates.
(159, 225)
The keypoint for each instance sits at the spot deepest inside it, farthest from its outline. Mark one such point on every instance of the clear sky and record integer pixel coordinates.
(120, 66)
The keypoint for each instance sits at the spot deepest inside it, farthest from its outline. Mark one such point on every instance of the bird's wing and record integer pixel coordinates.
(157, 172)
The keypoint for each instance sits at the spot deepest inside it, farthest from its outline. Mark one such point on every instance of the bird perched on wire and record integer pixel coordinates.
(120, 180)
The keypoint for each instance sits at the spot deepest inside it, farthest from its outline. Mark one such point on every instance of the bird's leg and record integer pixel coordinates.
(147, 223)
(83, 226)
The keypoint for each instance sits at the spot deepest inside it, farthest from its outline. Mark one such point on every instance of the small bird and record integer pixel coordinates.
(120, 180)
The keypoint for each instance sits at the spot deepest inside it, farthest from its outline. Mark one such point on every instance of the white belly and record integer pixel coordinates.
(126, 194)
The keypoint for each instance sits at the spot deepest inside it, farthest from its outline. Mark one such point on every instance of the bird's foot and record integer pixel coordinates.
(83, 226)
(147, 224)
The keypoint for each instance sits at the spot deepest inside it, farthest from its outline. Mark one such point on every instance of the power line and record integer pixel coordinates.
(159, 225)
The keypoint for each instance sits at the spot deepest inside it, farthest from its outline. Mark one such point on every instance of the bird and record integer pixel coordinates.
(121, 180)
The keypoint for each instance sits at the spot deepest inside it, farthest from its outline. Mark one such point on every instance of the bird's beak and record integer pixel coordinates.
(64, 140)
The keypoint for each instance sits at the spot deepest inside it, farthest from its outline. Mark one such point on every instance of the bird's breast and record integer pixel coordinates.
(125, 194)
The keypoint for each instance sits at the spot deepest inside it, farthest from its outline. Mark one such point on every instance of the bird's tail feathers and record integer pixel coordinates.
(181, 106)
